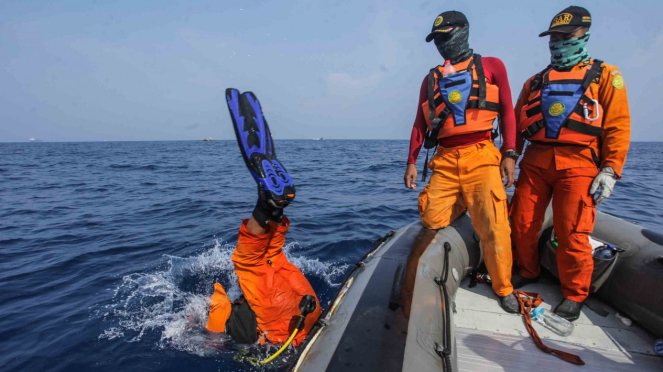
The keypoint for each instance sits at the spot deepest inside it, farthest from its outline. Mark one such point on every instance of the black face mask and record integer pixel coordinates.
(455, 45)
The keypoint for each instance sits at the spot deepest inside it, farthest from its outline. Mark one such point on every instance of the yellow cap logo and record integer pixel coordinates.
(438, 21)
(561, 20)
(618, 82)
(455, 97)
(556, 109)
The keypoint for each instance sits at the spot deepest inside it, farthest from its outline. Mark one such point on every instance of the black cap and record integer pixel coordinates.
(445, 23)
(569, 20)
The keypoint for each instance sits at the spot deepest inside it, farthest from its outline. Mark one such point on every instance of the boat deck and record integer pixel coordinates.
(488, 339)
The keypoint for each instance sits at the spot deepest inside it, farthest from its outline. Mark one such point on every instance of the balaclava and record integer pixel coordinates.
(565, 54)
(455, 46)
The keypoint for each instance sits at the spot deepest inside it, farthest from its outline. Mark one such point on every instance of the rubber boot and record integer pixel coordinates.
(265, 211)
(518, 280)
(569, 309)
(262, 212)
(510, 304)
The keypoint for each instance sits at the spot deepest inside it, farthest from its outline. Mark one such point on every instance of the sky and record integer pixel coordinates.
(158, 70)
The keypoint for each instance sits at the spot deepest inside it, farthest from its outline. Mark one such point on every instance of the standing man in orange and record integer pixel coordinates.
(458, 104)
(575, 115)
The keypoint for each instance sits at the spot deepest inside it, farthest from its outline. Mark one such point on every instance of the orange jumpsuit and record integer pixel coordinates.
(272, 285)
(565, 173)
(465, 172)
(469, 178)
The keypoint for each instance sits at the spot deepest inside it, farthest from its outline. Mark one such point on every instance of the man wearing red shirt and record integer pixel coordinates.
(457, 107)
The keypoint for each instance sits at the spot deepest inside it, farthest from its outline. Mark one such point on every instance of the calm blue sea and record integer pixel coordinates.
(106, 248)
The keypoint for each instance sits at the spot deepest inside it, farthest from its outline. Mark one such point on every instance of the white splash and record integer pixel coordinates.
(314, 267)
(169, 307)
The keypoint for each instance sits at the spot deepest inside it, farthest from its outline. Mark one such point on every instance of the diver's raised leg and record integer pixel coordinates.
(257, 147)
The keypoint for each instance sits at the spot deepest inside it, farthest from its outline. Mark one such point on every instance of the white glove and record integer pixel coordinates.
(606, 180)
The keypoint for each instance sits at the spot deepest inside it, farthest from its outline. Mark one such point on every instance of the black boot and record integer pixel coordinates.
(510, 304)
(569, 309)
(265, 211)
(518, 280)
(262, 212)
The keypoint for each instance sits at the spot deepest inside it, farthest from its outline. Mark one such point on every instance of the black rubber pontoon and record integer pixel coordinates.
(633, 285)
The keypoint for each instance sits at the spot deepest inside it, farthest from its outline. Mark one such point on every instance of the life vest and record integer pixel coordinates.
(459, 104)
(561, 108)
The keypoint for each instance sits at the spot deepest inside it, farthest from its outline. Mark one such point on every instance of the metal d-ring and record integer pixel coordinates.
(586, 111)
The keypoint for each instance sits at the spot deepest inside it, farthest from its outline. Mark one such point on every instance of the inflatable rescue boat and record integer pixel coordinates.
(407, 306)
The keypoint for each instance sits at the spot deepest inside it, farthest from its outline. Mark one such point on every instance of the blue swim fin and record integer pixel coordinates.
(257, 147)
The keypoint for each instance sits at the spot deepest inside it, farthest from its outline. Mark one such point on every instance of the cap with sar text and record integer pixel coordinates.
(445, 22)
(569, 20)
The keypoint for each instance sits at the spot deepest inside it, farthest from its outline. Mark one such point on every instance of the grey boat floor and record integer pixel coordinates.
(488, 339)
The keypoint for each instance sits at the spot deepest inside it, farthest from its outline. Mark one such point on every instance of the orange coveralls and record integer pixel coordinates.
(272, 286)
(565, 173)
(469, 178)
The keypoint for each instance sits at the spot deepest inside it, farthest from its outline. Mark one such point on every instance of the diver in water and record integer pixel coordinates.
(277, 301)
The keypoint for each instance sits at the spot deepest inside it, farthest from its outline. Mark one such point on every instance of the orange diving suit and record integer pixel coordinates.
(270, 284)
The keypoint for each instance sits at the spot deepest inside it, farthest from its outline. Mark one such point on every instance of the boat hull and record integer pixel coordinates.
(395, 312)
(635, 285)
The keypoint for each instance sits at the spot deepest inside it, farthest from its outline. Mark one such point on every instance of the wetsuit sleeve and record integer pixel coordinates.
(616, 136)
(251, 249)
(524, 93)
(508, 119)
(277, 241)
(419, 127)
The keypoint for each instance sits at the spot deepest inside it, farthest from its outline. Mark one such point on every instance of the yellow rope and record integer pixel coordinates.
(292, 336)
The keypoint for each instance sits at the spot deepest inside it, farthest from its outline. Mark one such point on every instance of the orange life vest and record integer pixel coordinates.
(461, 103)
(561, 108)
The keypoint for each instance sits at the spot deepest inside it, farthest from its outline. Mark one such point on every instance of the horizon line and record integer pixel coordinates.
(212, 140)
(219, 140)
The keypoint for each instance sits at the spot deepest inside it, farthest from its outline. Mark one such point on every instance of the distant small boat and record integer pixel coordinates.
(32, 139)
(318, 139)
(208, 139)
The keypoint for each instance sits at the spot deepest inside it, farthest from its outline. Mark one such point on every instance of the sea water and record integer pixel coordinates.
(109, 250)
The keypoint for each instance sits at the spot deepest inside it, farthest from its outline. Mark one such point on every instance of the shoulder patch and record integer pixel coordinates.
(618, 81)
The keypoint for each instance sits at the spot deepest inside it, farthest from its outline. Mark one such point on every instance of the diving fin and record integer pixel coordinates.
(257, 147)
